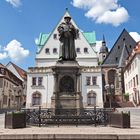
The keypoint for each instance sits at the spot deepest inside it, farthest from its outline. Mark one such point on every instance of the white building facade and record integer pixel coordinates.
(40, 79)
(132, 76)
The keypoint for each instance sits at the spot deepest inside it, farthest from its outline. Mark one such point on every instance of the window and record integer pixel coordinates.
(54, 50)
(34, 81)
(40, 79)
(5, 99)
(85, 50)
(137, 81)
(118, 47)
(134, 84)
(130, 46)
(47, 50)
(116, 58)
(94, 80)
(91, 98)
(78, 50)
(54, 36)
(2, 71)
(88, 80)
(37, 81)
(36, 99)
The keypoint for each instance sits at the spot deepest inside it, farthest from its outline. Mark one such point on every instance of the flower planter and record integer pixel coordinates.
(15, 120)
(121, 120)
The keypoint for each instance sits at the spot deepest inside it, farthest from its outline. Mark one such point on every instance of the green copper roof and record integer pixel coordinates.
(90, 37)
(42, 39)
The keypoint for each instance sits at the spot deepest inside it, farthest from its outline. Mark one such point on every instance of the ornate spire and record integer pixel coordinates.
(103, 38)
(103, 49)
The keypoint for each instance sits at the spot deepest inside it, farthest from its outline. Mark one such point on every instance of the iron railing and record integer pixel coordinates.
(92, 116)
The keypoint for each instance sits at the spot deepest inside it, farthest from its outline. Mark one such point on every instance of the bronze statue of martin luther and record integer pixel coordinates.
(67, 35)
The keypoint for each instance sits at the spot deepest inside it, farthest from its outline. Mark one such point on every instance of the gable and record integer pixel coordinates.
(17, 71)
(52, 43)
(113, 58)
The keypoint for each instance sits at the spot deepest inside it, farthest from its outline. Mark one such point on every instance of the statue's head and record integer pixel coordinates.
(67, 19)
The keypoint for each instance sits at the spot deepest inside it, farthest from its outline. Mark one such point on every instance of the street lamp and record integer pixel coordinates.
(109, 88)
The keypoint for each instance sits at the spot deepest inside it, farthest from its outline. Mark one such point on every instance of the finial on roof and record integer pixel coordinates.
(67, 9)
(103, 38)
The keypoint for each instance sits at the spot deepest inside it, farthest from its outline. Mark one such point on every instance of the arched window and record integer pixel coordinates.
(36, 98)
(91, 98)
(111, 76)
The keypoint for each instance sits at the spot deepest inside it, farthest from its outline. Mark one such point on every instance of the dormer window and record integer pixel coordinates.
(54, 36)
(78, 50)
(54, 50)
(47, 50)
(85, 50)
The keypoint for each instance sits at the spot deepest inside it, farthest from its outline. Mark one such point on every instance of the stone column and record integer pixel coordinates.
(55, 88)
(55, 91)
(78, 82)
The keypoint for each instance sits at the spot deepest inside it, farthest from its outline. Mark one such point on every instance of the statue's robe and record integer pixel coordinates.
(68, 34)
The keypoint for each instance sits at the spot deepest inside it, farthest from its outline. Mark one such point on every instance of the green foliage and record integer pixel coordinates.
(126, 96)
(100, 63)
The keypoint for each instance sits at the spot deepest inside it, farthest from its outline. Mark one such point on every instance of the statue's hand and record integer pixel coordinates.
(67, 34)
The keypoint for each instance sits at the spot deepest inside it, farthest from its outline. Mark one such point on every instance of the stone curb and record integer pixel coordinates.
(69, 137)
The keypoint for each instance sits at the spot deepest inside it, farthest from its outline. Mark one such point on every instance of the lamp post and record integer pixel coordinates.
(109, 88)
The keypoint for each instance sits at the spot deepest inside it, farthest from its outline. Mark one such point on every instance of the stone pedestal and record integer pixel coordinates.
(66, 93)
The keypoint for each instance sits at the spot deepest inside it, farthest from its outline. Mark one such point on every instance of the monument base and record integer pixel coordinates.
(67, 95)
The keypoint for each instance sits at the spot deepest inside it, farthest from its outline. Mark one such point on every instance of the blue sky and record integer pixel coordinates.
(21, 22)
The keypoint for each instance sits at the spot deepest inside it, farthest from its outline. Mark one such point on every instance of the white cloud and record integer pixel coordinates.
(15, 51)
(14, 3)
(3, 55)
(135, 36)
(103, 11)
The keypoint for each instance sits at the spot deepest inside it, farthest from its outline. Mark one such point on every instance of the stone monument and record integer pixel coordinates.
(67, 94)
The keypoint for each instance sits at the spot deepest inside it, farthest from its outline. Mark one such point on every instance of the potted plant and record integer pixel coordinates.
(15, 119)
(120, 119)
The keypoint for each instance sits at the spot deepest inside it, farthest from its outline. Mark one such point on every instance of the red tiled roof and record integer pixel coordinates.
(20, 71)
(135, 51)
